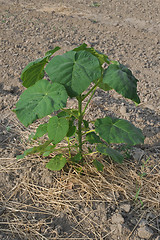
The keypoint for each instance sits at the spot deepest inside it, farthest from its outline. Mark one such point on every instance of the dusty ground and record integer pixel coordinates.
(38, 204)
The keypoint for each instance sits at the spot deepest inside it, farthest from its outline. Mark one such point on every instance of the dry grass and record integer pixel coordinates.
(67, 190)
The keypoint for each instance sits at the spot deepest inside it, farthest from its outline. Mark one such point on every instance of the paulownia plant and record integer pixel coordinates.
(70, 75)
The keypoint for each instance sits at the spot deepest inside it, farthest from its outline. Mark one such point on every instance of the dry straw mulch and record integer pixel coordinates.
(28, 188)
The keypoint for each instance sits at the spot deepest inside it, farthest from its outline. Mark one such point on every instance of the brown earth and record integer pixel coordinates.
(39, 204)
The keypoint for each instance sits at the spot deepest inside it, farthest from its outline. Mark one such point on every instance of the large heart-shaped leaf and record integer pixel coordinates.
(34, 71)
(57, 128)
(114, 130)
(56, 163)
(40, 100)
(120, 78)
(115, 155)
(101, 56)
(75, 70)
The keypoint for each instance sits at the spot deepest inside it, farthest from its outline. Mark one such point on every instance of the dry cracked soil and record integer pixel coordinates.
(123, 202)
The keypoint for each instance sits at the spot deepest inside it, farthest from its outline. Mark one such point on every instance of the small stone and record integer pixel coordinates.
(117, 218)
(126, 207)
(123, 110)
(145, 232)
(137, 154)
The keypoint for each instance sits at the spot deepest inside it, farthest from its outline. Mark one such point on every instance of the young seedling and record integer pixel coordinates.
(70, 76)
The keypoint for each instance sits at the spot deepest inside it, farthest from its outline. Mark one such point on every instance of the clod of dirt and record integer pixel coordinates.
(145, 232)
(117, 218)
(116, 230)
(125, 207)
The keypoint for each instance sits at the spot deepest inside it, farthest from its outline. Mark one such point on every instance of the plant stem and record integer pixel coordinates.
(89, 100)
(80, 118)
(95, 86)
(69, 147)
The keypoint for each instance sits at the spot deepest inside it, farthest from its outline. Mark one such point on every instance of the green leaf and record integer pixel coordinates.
(40, 100)
(46, 154)
(62, 114)
(77, 158)
(51, 52)
(57, 129)
(120, 78)
(93, 138)
(104, 86)
(98, 165)
(114, 130)
(33, 72)
(37, 149)
(40, 131)
(101, 57)
(56, 163)
(75, 70)
(27, 152)
(72, 129)
(90, 150)
(115, 155)
(48, 150)
(86, 124)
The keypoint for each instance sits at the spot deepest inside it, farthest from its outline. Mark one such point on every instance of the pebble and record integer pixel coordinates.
(145, 232)
(123, 110)
(137, 154)
(117, 218)
(126, 207)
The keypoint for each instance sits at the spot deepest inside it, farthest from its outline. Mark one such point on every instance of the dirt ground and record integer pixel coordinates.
(123, 202)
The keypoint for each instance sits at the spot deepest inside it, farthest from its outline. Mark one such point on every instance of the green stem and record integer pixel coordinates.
(93, 89)
(89, 101)
(91, 153)
(80, 119)
(69, 147)
(95, 86)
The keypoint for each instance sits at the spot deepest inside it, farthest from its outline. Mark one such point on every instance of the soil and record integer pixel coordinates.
(38, 204)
